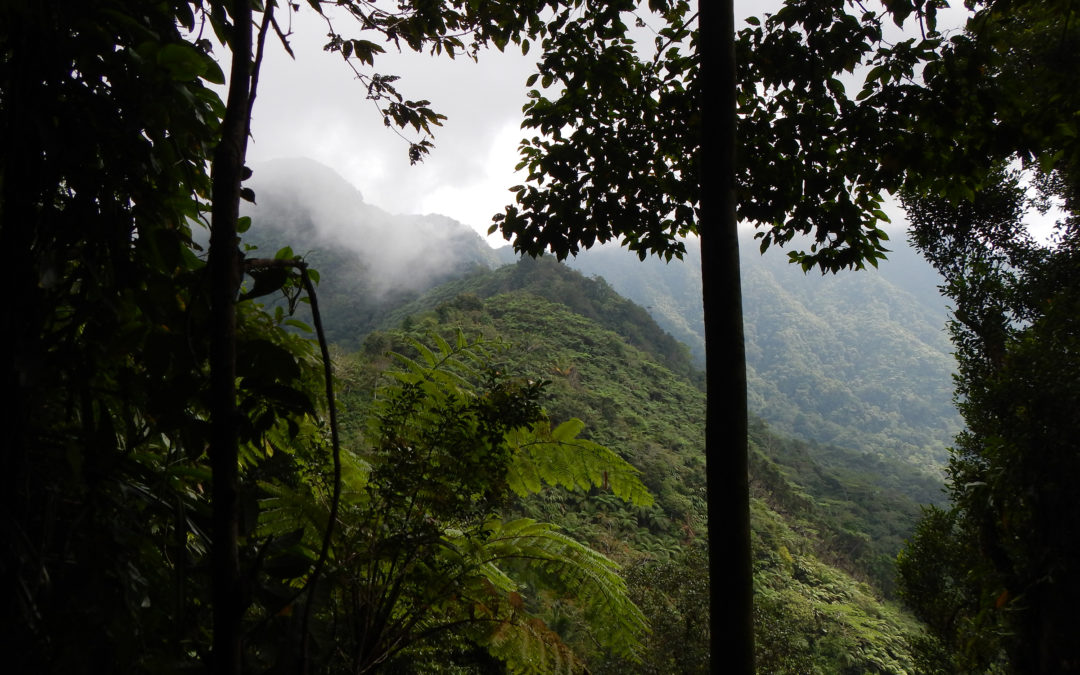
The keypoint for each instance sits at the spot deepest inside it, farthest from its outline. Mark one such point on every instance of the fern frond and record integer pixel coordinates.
(528, 647)
(426, 549)
(558, 457)
(427, 354)
(444, 347)
(453, 374)
(575, 569)
(495, 618)
(285, 509)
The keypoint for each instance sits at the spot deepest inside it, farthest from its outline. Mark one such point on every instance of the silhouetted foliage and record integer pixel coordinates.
(1006, 552)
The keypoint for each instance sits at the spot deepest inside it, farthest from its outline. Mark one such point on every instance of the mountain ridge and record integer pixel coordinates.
(822, 533)
(859, 359)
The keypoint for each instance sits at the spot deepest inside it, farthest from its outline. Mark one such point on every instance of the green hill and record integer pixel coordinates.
(371, 261)
(590, 298)
(824, 536)
(852, 364)
(859, 359)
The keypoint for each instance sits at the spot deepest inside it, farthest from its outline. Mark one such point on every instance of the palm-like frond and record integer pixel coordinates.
(481, 599)
(572, 568)
(558, 457)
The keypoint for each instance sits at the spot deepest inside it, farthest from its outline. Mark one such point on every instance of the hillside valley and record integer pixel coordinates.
(859, 360)
(825, 532)
(847, 363)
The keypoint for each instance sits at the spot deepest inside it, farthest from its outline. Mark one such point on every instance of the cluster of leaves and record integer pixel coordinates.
(1003, 556)
(625, 153)
(106, 363)
(618, 131)
(808, 151)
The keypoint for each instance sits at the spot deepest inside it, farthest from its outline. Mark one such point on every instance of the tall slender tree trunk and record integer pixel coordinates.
(224, 270)
(21, 179)
(731, 575)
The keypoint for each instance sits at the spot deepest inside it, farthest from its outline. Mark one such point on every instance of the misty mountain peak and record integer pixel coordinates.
(313, 180)
(312, 206)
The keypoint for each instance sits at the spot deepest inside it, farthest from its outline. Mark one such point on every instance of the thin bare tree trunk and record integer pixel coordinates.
(726, 444)
(224, 264)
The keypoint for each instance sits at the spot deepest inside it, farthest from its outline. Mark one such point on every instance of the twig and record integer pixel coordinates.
(336, 445)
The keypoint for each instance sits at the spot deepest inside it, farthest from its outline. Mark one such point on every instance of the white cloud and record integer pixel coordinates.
(475, 201)
(314, 107)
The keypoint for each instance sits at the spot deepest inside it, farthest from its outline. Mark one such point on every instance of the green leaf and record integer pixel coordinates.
(184, 62)
(567, 430)
(296, 323)
(558, 457)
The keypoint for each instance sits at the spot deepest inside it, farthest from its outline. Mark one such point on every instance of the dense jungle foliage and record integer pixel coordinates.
(517, 482)
(824, 537)
(993, 573)
(860, 361)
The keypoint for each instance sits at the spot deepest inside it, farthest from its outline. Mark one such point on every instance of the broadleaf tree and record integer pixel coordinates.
(1004, 555)
(96, 215)
(1005, 547)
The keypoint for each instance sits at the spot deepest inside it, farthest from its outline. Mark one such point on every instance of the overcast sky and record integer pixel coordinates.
(314, 107)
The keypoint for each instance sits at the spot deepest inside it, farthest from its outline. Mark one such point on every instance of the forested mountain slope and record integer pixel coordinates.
(818, 529)
(828, 521)
(859, 359)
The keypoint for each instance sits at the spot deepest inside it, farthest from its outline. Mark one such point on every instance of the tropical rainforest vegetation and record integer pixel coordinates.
(992, 574)
(824, 536)
(195, 480)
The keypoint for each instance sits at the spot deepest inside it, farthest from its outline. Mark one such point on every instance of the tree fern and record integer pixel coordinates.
(420, 550)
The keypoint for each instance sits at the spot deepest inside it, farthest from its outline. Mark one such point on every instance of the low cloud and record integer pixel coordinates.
(322, 210)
